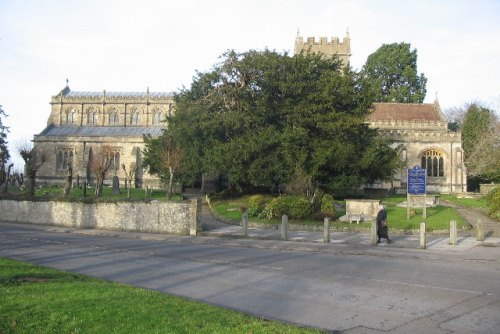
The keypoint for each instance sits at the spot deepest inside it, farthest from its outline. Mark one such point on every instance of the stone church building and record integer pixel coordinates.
(80, 123)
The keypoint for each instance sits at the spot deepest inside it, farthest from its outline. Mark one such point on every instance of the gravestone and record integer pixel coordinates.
(116, 185)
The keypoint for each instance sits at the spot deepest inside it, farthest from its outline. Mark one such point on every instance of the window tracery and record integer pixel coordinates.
(433, 161)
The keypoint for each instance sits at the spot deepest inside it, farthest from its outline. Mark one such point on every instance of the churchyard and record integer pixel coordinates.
(438, 217)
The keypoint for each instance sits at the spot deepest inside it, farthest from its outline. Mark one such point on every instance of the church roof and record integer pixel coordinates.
(101, 131)
(405, 112)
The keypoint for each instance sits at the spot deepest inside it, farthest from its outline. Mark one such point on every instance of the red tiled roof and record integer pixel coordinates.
(405, 112)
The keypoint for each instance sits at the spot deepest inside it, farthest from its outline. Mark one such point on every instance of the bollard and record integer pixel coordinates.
(84, 188)
(244, 222)
(284, 227)
(480, 230)
(373, 240)
(423, 242)
(453, 233)
(326, 230)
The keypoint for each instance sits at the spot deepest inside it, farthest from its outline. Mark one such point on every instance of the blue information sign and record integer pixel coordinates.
(417, 180)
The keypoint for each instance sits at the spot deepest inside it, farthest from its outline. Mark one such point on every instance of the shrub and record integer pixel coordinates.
(493, 199)
(328, 206)
(256, 204)
(294, 206)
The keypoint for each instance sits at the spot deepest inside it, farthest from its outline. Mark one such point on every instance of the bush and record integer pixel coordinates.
(256, 203)
(328, 206)
(294, 206)
(493, 199)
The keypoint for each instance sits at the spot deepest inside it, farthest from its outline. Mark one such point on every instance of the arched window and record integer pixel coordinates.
(92, 113)
(115, 160)
(59, 160)
(433, 161)
(157, 116)
(113, 118)
(70, 116)
(92, 118)
(64, 156)
(134, 118)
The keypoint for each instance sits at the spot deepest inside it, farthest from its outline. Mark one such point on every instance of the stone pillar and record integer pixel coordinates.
(195, 215)
(373, 240)
(480, 230)
(284, 227)
(423, 241)
(326, 230)
(453, 233)
(244, 223)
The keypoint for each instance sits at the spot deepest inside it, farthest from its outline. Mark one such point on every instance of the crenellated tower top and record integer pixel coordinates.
(326, 46)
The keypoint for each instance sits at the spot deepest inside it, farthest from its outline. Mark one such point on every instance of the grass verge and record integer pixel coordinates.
(35, 299)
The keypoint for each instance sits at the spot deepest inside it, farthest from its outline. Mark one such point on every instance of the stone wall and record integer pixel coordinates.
(484, 189)
(182, 218)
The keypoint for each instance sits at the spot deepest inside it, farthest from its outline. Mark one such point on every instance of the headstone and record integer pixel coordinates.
(116, 185)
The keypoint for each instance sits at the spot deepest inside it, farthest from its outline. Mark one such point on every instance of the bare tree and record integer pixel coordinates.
(5, 187)
(33, 160)
(171, 160)
(129, 175)
(484, 157)
(99, 165)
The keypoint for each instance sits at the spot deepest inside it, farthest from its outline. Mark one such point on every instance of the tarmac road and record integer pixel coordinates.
(351, 288)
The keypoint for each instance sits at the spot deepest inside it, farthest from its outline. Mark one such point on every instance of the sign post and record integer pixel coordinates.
(417, 181)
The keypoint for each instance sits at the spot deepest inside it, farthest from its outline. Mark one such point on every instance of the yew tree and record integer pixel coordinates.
(392, 74)
(260, 116)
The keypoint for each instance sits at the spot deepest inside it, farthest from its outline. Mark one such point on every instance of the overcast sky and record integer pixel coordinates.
(129, 45)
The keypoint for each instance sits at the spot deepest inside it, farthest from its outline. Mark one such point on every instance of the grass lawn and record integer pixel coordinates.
(35, 299)
(467, 202)
(438, 218)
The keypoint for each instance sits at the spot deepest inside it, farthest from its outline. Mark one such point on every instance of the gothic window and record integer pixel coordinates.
(92, 115)
(433, 161)
(64, 156)
(157, 116)
(92, 118)
(70, 116)
(113, 117)
(115, 161)
(134, 118)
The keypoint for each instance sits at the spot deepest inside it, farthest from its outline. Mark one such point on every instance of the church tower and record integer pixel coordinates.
(325, 46)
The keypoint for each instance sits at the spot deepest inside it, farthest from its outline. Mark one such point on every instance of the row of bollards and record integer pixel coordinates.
(373, 237)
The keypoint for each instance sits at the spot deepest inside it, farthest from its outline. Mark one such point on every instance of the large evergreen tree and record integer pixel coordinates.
(4, 150)
(392, 72)
(265, 119)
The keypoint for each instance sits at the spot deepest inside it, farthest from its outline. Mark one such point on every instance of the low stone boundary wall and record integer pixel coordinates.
(154, 217)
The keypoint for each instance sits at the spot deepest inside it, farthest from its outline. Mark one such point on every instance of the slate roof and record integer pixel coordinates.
(405, 112)
(139, 95)
(101, 131)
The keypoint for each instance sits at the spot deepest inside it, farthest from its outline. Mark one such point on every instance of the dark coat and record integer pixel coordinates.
(382, 229)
